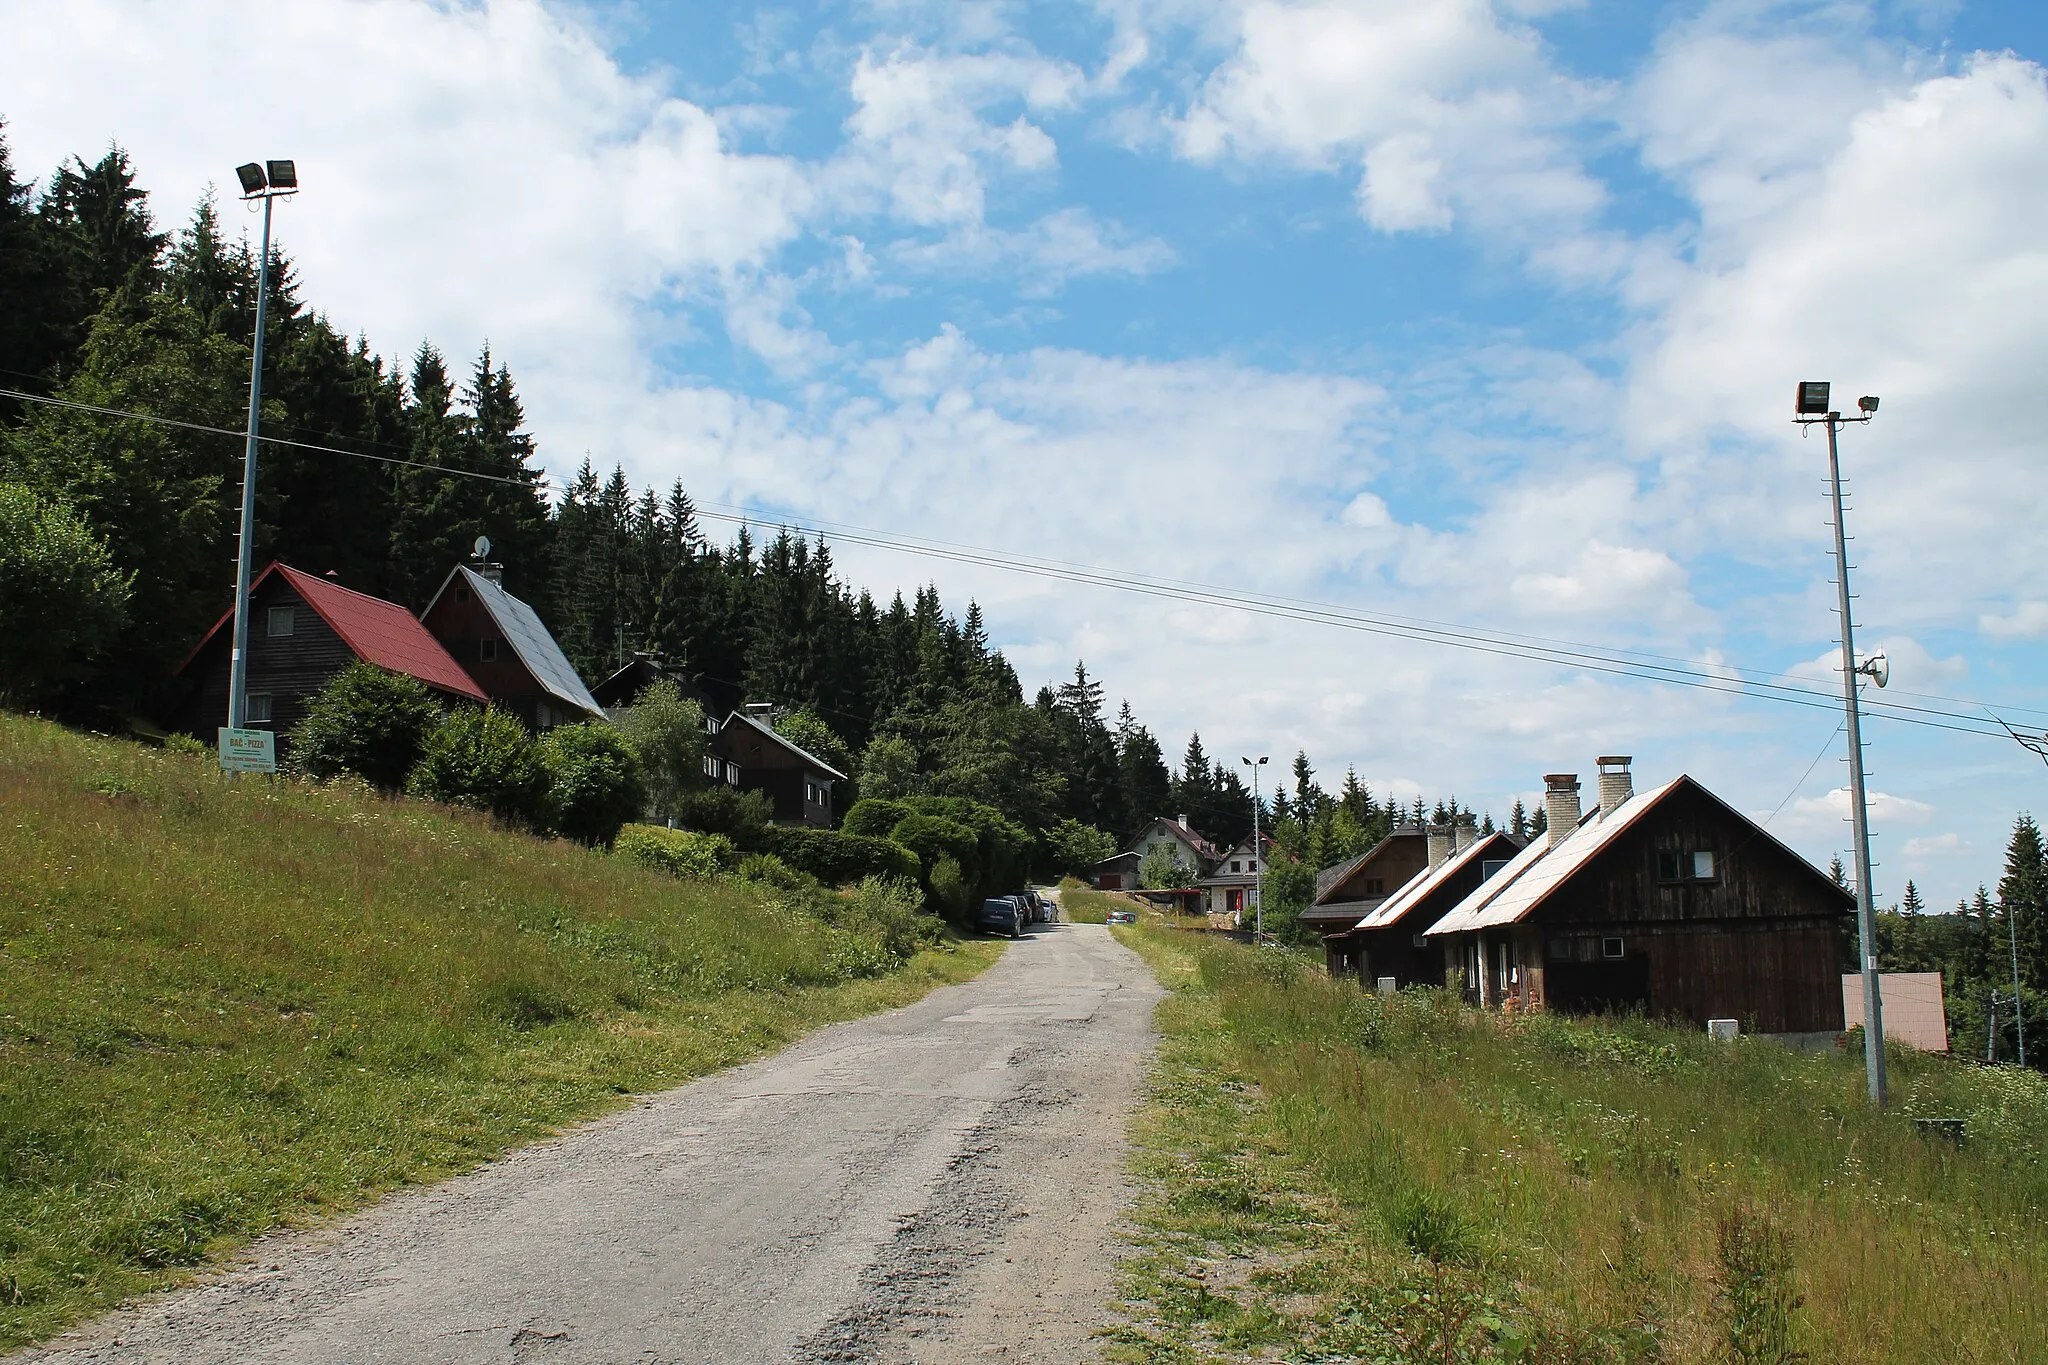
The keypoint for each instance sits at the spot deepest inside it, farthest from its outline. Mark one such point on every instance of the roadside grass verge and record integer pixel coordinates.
(1332, 1175)
(226, 1007)
(1083, 906)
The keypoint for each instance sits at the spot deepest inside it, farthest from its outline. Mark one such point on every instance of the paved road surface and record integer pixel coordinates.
(935, 1184)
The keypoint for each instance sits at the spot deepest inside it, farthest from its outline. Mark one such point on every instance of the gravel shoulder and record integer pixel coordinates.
(939, 1182)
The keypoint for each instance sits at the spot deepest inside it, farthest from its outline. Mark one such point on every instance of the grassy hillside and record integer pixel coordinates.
(1332, 1175)
(224, 1006)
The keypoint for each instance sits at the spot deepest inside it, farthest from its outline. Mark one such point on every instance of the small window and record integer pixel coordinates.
(281, 621)
(1234, 865)
(1252, 866)
(711, 724)
(1375, 886)
(1611, 948)
(487, 651)
(1703, 867)
(462, 592)
(1489, 866)
(259, 709)
(1670, 868)
(732, 774)
(710, 766)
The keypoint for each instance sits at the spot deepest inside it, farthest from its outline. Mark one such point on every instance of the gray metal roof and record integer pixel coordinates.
(820, 764)
(529, 639)
(1430, 878)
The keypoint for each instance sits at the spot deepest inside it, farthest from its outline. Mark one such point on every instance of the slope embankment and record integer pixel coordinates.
(226, 1007)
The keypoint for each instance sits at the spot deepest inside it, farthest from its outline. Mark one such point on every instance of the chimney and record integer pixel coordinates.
(1616, 786)
(1181, 820)
(761, 709)
(1466, 833)
(494, 572)
(1561, 805)
(1439, 844)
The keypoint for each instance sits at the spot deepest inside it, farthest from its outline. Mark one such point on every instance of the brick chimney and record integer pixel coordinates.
(1440, 838)
(1616, 786)
(1466, 833)
(1561, 805)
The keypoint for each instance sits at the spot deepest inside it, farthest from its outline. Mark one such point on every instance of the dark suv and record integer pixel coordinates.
(1002, 915)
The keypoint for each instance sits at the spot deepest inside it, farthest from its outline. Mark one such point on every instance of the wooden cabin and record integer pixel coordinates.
(755, 757)
(504, 646)
(303, 630)
(1347, 892)
(1388, 945)
(1670, 902)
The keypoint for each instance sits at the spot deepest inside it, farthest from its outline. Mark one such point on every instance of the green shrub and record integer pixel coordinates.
(666, 729)
(62, 601)
(950, 888)
(893, 907)
(594, 781)
(367, 721)
(839, 859)
(872, 818)
(186, 746)
(483, 759)
(1075, 847)
(722, 809)
(678, 852)
(932, 837)
(770, 870)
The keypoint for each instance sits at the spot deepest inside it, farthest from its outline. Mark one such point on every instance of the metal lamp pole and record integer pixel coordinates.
(1813, 407)
(1258, 856)
(266, 182)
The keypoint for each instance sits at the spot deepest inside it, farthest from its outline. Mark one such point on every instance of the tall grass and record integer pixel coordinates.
(1626, 1191)
(226, 1005)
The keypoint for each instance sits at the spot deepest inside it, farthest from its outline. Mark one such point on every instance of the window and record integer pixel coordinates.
(732, 774)
(1489, 866)
(1252, 866)
(1375, 886)
(1683, 865)
(711, 725)
(1234, 865)
(462, 592)
(1610, 947)
(710, 766)
(259, 709)
(281, 621)
(487, 650)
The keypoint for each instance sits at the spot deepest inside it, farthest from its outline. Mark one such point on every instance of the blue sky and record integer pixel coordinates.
(1485, 311)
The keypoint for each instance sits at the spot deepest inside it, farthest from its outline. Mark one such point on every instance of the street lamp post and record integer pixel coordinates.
(1258, 856)
(267, 181)
(1813, 407)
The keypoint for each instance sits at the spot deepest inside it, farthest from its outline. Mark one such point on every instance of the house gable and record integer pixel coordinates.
(505, 645)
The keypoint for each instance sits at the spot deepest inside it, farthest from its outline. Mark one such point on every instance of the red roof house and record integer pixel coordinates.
(302, 631)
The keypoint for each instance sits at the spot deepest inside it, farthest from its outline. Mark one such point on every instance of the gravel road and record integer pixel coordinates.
(938, 1183)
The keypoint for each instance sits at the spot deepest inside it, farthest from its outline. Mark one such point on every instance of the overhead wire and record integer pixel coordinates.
(1642, 665)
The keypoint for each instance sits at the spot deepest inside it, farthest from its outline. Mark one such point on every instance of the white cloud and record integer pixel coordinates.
(1448, 106)
(2027, 621)
(1926, 847)
(1830, 812)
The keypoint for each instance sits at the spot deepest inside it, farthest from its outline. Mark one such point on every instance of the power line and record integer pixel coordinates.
(267, 440)
(1471, 639)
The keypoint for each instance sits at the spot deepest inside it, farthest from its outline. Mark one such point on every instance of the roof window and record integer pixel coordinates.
(487, 650)
(281, 621)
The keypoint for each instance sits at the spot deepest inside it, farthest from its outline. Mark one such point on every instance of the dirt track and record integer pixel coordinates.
(937, 1183)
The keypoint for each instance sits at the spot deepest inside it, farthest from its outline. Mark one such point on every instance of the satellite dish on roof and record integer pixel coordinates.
(483, 547)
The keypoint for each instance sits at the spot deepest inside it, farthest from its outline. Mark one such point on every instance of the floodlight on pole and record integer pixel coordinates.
(1814, 408)
(269, 183)
(1258, 854)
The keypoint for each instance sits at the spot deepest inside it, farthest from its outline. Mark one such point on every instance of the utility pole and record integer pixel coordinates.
(2019, 1010)
(1813, 407)
(1258, 855)
(266, 182)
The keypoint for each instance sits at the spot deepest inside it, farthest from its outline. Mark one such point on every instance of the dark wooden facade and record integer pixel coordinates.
(1401, 949)
(1763, 937)
(1348, 892)
(284, 670)
(799, 790)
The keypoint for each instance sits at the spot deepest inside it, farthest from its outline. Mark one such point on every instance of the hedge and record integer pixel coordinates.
(679, 852)
(836, 858)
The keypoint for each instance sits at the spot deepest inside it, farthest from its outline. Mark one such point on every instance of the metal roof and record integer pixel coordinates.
(1418, 887)
(1334, 876)
(529, 639)
(1515, 890)
(820, 764)
(376, 631)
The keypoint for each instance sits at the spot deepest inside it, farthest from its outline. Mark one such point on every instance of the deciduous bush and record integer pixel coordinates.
(837, 858)
(721, 809)
(1074, 847)
(367, 721)
(893, 907)
(61, 598)
(678, 852)
(873, 818)
(666, 729)
(483, 759)
(594, 783)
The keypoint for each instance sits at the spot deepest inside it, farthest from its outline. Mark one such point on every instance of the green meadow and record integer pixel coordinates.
(230, 1006)
(1333, 1175)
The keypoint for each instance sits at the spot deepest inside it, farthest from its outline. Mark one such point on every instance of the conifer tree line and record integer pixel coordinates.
(106, 309)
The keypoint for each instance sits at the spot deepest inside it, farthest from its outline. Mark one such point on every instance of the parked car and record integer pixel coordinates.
(1002, 915)
(1120, 917)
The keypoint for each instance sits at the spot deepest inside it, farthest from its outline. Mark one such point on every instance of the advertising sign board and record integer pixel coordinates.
(248, 751)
